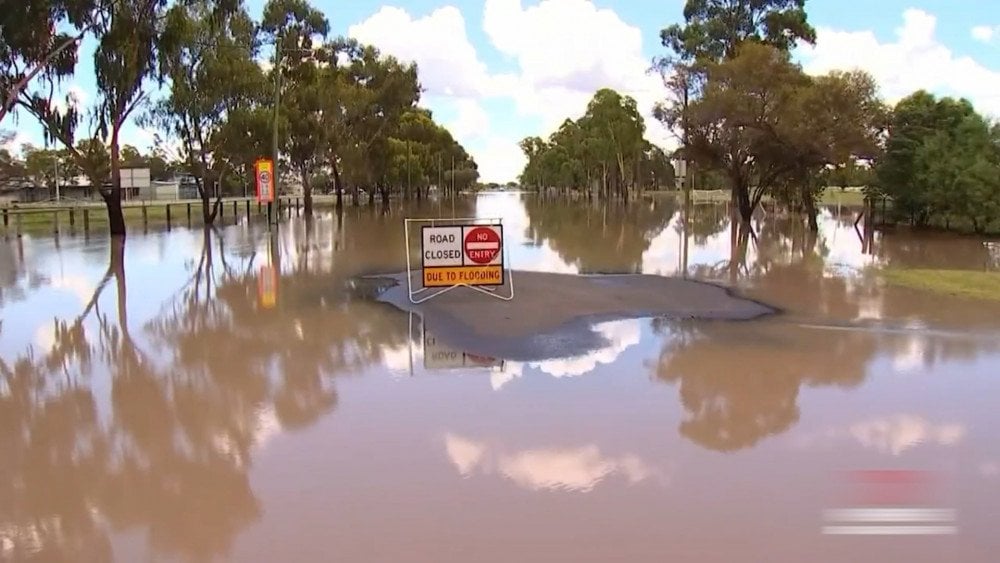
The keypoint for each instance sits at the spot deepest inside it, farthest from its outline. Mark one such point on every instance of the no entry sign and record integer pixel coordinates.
(482, 245)
(462, 255)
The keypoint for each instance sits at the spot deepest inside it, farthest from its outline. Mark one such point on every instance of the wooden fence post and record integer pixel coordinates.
(72, 218)
(86, 221)
(55, 222)
(248, 210)
(189, 214)
(168, 216)
(145, 216)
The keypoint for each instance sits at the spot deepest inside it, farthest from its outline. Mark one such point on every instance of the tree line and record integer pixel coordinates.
(748, 117)
(225, 90)
(603, 151)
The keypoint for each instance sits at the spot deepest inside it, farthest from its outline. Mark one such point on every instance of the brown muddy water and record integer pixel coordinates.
(230, 397)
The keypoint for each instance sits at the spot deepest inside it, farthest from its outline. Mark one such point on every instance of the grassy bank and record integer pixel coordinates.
(963, 283)
(831, 196)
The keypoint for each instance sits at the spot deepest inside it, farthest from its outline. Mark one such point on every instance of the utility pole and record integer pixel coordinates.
(277, 102)
(55, 163)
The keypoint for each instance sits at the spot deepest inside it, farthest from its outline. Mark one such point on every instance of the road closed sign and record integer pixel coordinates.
(462, 255)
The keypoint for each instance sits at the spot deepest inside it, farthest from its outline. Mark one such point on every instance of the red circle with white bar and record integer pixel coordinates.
(482, 245)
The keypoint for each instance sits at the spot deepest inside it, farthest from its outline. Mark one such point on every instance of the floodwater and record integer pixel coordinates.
(231, 396)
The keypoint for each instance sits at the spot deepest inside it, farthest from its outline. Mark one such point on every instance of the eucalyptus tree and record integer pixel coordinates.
(294, 28)
(605, 146)
(39, 39)
(389, 88)
(126, 31)
(207, 65)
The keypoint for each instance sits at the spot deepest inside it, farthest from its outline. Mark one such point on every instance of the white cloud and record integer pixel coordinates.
(566, 469)
(559, 68)
(438, 43)
(472, 121)
(915, 60)
(984, 33)
(562, 65)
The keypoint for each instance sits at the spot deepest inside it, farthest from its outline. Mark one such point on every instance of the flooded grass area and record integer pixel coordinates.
(233, 394)
(965, 283)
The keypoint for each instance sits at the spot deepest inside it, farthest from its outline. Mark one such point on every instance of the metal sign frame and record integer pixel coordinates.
(417, 295)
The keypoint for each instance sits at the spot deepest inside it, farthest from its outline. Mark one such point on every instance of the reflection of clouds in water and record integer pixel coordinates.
(619, 335)
(910, 356)
(397, 358)
(567, 469)
(898, 433)
(990, 469)
(508, 207)
(45, 336)
(81, 287)
(662, 255)
(265, 427)
(891, 434)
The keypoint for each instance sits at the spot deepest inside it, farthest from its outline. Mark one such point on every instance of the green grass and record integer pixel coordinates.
(831, 196)
(963, 283)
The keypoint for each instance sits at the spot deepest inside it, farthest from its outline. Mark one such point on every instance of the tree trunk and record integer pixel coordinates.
(113, 201)
(383, 190)
(809, 203)
(117, 266)
(208, 209)
(354, 196)
(741, 196)
(371, 195)
(307, 193)
(337, 183)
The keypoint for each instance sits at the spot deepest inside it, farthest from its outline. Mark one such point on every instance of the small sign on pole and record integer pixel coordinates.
(460, 252)
(264, 177)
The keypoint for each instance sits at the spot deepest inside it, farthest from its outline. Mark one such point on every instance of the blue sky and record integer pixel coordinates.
(496, 71)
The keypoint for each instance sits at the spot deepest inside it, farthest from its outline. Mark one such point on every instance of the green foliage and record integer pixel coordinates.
(604, 149)
(715, 29)
(941, 164)
(770, 128)
(39, 39)
(208, 64)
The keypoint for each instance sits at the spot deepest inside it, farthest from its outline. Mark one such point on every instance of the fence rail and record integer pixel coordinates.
(80, 217)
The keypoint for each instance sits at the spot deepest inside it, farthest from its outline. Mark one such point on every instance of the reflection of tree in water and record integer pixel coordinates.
(740, 383)
(190, 396)
(945, 251)
(705, 221)
(14, 276)
(598, 237)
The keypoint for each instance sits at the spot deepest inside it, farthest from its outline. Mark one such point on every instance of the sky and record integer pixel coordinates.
(496, 71)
